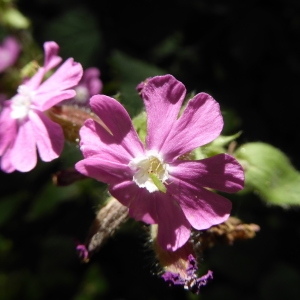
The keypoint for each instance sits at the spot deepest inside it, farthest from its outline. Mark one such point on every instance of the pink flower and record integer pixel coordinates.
(9, 52)
(24, 125)
(153, 181)
(89, 85)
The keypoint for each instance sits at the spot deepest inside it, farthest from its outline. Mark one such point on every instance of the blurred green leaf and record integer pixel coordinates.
(93, 285)
(10, 205)
(281, 282)
(77, 34)
(130, 72)
(11, 17)
(50, 198)
(269, 173)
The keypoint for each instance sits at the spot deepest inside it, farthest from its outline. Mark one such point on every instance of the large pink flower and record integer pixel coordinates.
(9, 52)
(23, 124)
(180, 200)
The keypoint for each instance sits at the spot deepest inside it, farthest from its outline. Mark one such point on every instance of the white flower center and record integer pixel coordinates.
(146, 167)
(21, 102)
(82, 94)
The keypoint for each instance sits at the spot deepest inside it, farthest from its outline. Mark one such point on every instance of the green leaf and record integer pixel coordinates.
(78, 35)
(270, 174)
(130, 72)
(50, 197)
(9, 206)
(13, 18)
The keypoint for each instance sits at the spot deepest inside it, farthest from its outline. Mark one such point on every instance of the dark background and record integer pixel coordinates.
(246, 54)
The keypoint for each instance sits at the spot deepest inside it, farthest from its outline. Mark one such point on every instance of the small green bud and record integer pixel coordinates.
(270, 174)
(13, 18)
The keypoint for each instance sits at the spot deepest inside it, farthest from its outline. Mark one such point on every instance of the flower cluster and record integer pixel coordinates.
(154, 180)
(24, 125)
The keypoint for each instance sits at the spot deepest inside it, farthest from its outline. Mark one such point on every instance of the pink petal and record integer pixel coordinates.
(5, 162)
(44, 101)
(201, 207)
(66, 77)
(141, 204)
(155, 208)
(8, 129)
(51, 59)
(23, 154)
(200, 123)
(95, 140)
(9, 52)
(173, 227)
(103, 170)
(34, 82)
(48, 135)
(123, 143)
(91, 79)
(163, 97)
(221, 172)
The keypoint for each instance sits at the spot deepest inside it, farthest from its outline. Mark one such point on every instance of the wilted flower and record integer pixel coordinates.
(190, 280)
(24, 125)
(153, 181)
(9, 52)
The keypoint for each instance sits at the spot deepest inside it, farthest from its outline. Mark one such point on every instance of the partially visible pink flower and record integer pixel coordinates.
(9, 52)
(89, 85)
(23, 124)
(153, 181)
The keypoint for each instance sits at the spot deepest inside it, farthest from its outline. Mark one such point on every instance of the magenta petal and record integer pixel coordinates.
(221, 172)
(23, 154)
(141, 204)
(155, 208)
(163, 97)
(200, 123)
(173, 227)
(123, 134)
(48, 135)
(201, 207)
(103, 170)
(95, 140)
(51, 59)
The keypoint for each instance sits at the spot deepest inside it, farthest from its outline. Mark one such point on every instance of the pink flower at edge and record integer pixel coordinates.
(9, 52)
(23, 124)
(119, 159)
(89, 85)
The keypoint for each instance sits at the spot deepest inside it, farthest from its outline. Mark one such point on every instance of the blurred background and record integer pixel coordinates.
(246, 54)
